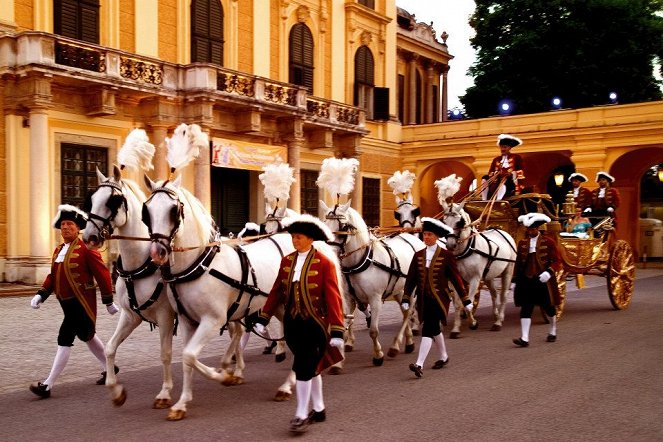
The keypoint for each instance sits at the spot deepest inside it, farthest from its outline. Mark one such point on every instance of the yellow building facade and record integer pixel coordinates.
(294, 80)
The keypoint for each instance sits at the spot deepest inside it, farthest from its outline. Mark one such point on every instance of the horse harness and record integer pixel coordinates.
(491, 255)
(114, 202)
(147, 269)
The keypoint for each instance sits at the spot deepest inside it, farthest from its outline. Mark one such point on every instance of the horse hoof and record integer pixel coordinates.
(496, 327)
(232, 380)
(475, 325)
(176, 415)
(349, 348)
(282, 396)
(409, 348)
(454, 335)
(392, 353)
(378, 361)
(280, 357)
(335, 370)
(121, 399)
(162, 404)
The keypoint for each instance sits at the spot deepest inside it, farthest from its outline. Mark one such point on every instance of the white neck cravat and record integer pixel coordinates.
(301, 258)
(505, 161)
(532, 243)
(601, 192)
(63, 253)
(575, 192)
(430, 251)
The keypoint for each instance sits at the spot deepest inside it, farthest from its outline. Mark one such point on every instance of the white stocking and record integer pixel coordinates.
(553, 325)
(441, 348)
(424, 348)
(244, 339)
(524, 326)
(316, 393)
(59, 363)
(303, 390)
(97, 348)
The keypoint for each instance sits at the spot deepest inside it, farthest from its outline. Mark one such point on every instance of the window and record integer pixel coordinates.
(230, 198)
(79, 176)
(77, 19)
(301, 56)
(368, 3)
(364, 82)
(370, 196)
(207, 32)
(309, 192)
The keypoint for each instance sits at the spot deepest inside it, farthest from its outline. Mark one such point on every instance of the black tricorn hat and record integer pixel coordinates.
(533, 219)
(435, 226)
(308, 225)
(71, 213)
(508, 140)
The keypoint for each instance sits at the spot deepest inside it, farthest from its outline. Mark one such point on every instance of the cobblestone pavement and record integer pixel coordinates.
(28, 341)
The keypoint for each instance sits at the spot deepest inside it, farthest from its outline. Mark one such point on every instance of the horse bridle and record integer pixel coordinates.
(277, 219)
(416, 212)
(177, 214)
(113, 203)
(343, 227)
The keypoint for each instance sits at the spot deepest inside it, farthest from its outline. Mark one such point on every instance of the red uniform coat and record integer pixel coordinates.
(435, 280)
(319, 289)
(584, 198)
(73, 277)
(547, 258)
(515, 164)
(611, 199)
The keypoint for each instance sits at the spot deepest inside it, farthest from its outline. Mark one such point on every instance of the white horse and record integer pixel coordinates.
(488, 255)
(375, 270)
(115, 206)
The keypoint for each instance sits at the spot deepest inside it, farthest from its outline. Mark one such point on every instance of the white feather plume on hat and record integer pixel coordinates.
(277, 179)
(185, 144)
(401, 182)
(337, 175)
(447, 187)
(137, 152)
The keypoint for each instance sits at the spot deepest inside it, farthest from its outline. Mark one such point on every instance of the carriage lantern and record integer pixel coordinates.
(569, 205)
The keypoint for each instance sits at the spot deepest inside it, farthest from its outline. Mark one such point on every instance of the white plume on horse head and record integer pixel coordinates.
(447, 187)
(277, 179)
(401, 183)
(185, 144)
(337, 175)
(137, 152)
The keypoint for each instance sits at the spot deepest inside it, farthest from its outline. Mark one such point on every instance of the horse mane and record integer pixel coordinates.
(356, 220)
(134, 189)
(205, 225)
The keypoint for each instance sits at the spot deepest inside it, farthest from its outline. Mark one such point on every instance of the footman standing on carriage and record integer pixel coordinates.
(581, 195)
(536, 263)
(508, 167)
(73, 269)
(431, 271)
(308, 288)
(605, 199)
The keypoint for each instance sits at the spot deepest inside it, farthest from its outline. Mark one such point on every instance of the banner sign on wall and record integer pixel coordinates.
(243, 155)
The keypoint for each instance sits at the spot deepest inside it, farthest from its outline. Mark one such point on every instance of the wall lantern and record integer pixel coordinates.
(660, 174)
(559, 179)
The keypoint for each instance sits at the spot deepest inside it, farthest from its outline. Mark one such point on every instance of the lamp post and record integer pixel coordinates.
(559, 179)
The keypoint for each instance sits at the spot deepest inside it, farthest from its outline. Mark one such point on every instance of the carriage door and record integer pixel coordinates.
(230, 198)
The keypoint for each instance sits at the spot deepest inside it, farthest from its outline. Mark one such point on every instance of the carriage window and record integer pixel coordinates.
(79, 175)
(77, 19)
(207, 31)
(301, 56)
(370, 196)
(309, 192)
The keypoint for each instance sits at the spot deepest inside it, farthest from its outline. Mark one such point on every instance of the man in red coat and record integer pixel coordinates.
(307, 286)
(508, 166)
(431, 270)
(74, 268)
(581, 195)
(605, 199)
(537, 261)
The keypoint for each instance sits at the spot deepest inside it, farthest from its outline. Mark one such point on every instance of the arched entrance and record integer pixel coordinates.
(428, 192)
(628, 170)
(540, 171)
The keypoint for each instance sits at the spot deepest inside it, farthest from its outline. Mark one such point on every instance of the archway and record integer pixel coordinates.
(428, 192)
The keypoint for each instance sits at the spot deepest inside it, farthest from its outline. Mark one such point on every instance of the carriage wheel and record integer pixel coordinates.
(561, 284)
(620, 275)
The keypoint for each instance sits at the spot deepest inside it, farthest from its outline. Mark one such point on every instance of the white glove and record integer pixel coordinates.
(610, 209)
(544, 277)
(112, 308)
(36, 301)
(405, 306)
(336, 342)
(587, 210)
(260, 329)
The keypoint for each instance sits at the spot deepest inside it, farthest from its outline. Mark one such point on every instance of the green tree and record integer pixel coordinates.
(579, 50)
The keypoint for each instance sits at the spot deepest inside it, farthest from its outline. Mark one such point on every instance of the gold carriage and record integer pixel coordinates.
(601, 254)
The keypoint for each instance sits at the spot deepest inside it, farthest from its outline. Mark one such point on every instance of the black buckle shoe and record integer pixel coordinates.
(417, 370)
(520, 343)
(298, 425)
(440, 363)
(102, 379)
(267, 350)
(317, 416)
(40, 390)
(551, 338)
